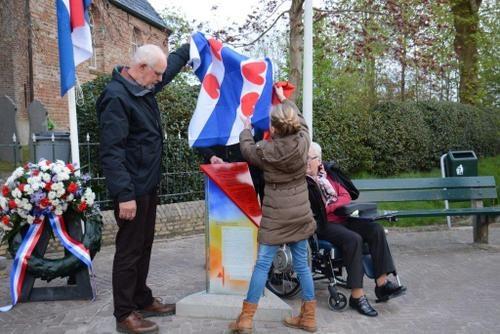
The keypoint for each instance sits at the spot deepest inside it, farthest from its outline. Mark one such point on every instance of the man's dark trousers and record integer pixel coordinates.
(134, 241)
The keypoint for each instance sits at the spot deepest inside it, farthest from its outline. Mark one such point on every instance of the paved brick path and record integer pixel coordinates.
(453, 287)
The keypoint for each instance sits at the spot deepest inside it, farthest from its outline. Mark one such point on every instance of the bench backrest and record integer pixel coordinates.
(425, 189)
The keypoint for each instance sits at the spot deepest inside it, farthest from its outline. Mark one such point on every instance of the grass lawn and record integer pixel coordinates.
(487, 167)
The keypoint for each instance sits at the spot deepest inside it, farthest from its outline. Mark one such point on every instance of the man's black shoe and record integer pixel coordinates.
(389, 290)
(362, 306)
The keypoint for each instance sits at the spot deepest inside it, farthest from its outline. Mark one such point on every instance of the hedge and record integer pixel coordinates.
(386, 139)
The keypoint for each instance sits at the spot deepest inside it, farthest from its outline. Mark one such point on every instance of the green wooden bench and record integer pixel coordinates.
(475, 189)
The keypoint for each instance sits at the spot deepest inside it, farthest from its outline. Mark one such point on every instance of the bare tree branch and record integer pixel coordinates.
(263, 33)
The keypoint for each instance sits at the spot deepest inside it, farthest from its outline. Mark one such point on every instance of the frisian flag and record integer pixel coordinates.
(231, 85)
(74, 38)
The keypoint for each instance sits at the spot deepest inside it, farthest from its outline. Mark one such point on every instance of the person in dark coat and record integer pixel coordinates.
(131, 149)
(349, 236)
(286, 213)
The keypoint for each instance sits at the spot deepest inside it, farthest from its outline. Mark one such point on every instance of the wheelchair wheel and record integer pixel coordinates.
(282, 284)
(338, 305)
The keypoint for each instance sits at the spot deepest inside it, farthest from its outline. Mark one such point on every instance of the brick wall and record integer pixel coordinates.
(113, 31)
(14, 77)
(178, 219)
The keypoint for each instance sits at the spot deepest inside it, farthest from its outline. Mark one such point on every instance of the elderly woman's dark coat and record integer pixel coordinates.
(286, 213)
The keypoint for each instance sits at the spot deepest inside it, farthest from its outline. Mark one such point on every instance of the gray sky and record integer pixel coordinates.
(228, 10)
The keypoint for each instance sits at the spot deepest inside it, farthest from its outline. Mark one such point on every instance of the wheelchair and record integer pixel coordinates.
(325, 259)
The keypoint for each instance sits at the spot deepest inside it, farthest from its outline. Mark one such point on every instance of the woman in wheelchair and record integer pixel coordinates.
(286, 213)
(349, 235)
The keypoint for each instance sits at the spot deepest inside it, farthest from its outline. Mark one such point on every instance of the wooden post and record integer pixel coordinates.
(480, 224)
(481, 229)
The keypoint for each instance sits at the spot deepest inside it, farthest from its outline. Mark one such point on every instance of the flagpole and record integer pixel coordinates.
(307, 83)
(73, 127)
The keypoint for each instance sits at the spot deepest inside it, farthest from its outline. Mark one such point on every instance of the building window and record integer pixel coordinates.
(136, 40)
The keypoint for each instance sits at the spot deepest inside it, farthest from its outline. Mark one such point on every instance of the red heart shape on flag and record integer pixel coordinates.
(248, 102)
(216, 47)
(252, 72)
(211, 86)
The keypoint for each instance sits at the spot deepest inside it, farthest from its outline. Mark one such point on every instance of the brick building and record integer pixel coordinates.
(29, 66)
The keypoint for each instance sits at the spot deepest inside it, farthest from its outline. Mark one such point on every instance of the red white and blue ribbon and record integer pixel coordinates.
(29, 243)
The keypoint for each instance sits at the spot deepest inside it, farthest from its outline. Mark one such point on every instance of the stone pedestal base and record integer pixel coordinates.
(228, 307)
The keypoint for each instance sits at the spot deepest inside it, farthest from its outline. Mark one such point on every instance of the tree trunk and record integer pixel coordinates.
(466, 22)
(296, 45)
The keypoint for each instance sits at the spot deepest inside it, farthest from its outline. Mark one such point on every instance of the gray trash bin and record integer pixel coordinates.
(52, 146)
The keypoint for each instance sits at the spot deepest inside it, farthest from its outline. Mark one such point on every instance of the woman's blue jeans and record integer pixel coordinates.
(263, 264)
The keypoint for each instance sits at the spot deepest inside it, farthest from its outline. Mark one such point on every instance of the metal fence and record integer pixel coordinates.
(181, 178)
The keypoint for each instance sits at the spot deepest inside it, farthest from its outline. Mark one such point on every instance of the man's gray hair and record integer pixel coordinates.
(147, 54)
(317, 149)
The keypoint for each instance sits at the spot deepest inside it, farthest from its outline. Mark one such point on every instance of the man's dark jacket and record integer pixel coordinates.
(131, 132)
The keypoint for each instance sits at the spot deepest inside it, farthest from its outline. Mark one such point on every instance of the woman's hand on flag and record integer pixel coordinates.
(279, 93)
(216, 160)
(247, 123)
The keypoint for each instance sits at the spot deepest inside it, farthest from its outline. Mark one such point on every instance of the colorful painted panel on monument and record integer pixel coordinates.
(233, 215)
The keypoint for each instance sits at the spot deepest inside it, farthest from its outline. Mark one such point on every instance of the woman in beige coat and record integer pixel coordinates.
(286, 213)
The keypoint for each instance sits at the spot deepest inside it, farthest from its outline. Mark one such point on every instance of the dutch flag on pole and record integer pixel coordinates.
(75, 40)
(231, 85)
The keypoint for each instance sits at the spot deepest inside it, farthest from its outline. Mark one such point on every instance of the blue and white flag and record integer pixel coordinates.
(231, 85)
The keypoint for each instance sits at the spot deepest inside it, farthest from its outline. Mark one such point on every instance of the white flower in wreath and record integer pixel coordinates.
(58, 211)
(10, 180)
(16, 193)
(34, 179)
(46, 177)
(18, 172)
(62, 176)
(3, 203)
(70, 197)
(51, 195)
(22, 214)
(60, 192)
(26, 205)
(35, 186)
(30, 219)
(89, 196)
(28, 189)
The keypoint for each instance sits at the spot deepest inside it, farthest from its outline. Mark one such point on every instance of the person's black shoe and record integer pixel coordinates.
(362, 306)
(389, 290)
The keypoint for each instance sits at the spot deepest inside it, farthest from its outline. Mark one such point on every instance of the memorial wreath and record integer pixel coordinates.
(48, 193)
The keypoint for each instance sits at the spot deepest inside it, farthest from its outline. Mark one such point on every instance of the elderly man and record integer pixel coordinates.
(130, 152)
(350, 235)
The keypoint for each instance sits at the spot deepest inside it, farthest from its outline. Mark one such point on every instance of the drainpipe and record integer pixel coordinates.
(27, 13)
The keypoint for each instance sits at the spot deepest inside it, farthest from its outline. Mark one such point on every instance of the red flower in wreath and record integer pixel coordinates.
(21, 186)
(5, 220)
(72, 187)
(44, 202)
(12, 204)
(71, 167)
(82, 207)
(5, 191)
(48, 186)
